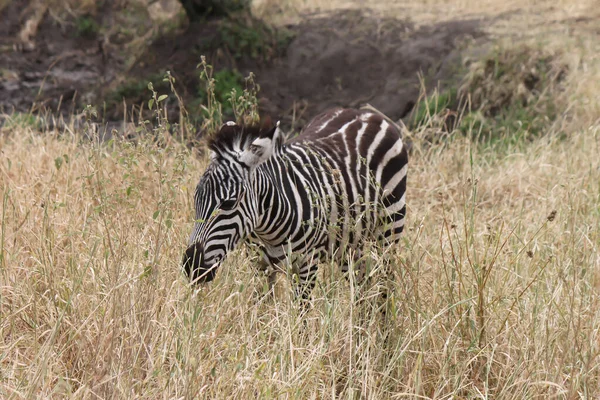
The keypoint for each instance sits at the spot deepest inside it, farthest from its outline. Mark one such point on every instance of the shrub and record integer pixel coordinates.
(86, 27)
(512, 93)
(199, 9)
(244, 36)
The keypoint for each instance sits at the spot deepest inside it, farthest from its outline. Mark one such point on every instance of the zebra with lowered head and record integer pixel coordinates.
(313, 198)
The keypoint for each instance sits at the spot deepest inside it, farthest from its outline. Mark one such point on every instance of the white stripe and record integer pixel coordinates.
(391, 185)
(391, 153)
(370, 151)
(359, 135)
(324, 125)
(365, 116)
(378, 138)
(398, 224)
(397, 206)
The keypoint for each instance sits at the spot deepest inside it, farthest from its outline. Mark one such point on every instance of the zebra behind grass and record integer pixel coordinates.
(314, 198)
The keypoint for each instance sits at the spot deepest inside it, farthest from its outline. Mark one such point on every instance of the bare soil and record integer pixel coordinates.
(346, 58)
(352, 58)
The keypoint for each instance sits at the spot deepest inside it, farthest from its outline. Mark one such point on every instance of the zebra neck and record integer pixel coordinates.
(275, 209)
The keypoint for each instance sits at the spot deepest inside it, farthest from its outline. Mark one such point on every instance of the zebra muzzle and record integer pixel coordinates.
(194, 267)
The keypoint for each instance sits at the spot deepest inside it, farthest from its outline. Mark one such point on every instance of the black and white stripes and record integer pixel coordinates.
(341, 181)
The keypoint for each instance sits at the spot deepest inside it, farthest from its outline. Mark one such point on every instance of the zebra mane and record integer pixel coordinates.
(232, 135)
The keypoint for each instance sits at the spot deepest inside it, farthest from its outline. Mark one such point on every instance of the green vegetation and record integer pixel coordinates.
(434, 105)
(516, 90)
(20, 121)
(135, 90)
(225, 93)
(86, 26)
(228, 83)
(244, 36)
(510, 95)
(222, 94)
(200, 9)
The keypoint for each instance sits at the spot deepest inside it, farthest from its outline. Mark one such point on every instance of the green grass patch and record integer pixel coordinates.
(86, 27)
(227, 83)
(223, 95)
(509, 96)
(135, 90)
(20, 121)
(433, 105)
(249, 37)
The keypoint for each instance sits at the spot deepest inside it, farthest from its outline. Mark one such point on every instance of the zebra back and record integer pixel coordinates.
(372, 160)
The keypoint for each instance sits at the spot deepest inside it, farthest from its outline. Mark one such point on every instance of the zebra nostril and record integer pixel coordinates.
(191, 260)
(196, 270)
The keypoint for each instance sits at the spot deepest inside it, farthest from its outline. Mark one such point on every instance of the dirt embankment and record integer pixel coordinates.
(353, 58)
(343, 59)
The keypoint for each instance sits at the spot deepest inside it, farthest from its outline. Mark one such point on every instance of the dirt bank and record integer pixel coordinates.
(343, 59)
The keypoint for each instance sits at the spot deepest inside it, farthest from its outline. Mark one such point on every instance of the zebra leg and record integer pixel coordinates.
(392, 225)
(265, 265)
(358, 269)
(304, 279)
(304, 285)
(360, 276)
(365, 279)
(269, 269)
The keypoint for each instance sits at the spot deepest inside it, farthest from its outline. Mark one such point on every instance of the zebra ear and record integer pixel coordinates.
(262, 148)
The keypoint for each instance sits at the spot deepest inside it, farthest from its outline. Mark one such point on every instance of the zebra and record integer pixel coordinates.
(313, 198)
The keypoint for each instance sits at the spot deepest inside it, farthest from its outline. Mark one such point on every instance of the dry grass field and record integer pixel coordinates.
(495, 290)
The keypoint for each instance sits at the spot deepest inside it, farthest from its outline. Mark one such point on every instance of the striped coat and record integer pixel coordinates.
(338, 183)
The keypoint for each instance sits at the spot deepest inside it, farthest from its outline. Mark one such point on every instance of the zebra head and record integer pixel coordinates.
(226, 200)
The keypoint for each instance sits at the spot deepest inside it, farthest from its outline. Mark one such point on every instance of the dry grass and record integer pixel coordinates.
(496, 291)
(534, 15)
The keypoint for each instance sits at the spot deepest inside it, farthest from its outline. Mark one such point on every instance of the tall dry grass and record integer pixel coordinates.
(495, 289)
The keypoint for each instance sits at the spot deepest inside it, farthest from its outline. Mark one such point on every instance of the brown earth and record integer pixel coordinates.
(342, 59)
(353, 58)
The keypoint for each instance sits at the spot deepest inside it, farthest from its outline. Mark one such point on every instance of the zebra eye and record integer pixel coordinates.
(228, 204)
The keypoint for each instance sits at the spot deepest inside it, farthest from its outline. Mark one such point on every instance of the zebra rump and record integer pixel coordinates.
(309, 199)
